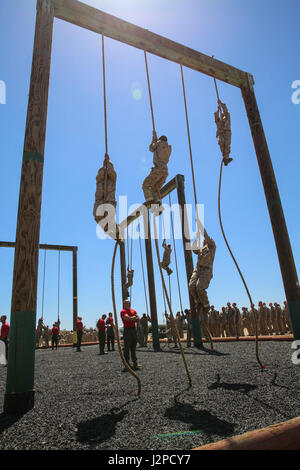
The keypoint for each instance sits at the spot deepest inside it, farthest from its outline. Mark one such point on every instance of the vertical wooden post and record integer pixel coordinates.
(151, 285)
(281, 236)
(123, 269)
(75, 296)
(19, 395)
(188, 257)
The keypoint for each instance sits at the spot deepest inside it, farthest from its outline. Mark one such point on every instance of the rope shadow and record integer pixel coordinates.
(243, 388)
(199, 419)
(187, 351)
(101, 429)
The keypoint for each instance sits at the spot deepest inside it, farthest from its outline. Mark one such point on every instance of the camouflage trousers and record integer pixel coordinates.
(224, 141)
(198, 284)
(153, 183)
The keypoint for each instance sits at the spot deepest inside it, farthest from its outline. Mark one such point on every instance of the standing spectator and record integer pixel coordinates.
(79, 330)
(4, 333)
(101, 333)
(110, 332)
(189, 332)
(55, 333)
(144, 328)
(47, 336)
(129, 318)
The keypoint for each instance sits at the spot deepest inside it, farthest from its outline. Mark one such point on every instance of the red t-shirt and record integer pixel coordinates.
(5, 330)
(110, 321)
(55, 330)
(130, 313)
(101, 324)
(79, 325)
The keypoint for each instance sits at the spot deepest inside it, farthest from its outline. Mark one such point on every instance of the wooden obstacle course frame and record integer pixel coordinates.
(20, 374)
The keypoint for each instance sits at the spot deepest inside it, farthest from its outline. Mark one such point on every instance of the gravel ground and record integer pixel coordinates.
(85, 401)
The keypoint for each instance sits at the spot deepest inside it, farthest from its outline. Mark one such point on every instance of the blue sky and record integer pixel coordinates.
(261, 37)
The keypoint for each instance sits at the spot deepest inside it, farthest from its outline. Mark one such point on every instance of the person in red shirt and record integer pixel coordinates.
(101, 333)
(79, 329)
(4, 333)
(129, 318)
(55, 333)
(110, 333)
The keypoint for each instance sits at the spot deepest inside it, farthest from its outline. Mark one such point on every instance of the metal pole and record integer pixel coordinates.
(189, 266)
(280, 232)
(19, 395)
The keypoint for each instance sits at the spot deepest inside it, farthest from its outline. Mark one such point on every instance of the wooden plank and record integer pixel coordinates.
(165, 190)
(95, 20)
(43, 246)
(19, 395)
(280, 232)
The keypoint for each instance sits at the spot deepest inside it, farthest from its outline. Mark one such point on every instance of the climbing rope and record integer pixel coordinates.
(44, 276)
(190, 149)
(173, 323)
(105, 117)
(149, 90)
(238, 268)
(58, 286)
(116, 322)
(142, 263)
(175, 254)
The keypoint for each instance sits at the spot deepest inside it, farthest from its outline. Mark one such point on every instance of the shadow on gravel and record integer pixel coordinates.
(242, 387)
(187, 352)
(199, 419)
(98, 430)
(6, 421)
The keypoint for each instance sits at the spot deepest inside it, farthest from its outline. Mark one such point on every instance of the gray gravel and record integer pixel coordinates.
(85, 401)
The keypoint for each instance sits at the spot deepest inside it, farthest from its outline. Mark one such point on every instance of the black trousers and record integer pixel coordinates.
(130, 341)
(101, 336)
(5, 340)
(54, 341)
(110, 340)
(79, 338)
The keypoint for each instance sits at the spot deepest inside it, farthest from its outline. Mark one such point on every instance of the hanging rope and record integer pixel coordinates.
(58, 286)
(173, 323)
(176, 264)
(105, 117)
(190, 149)
(237, 266)
(44, 276)
(104, 95)
(149, 90)
(116, 322)
(130, 292)
(144, 282)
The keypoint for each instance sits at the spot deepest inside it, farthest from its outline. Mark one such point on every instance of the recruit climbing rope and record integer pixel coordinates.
(173, 323)
(234, 260)
(116, 322)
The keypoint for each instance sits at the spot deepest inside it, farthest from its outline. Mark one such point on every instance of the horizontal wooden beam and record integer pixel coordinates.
(165, 190)
(95, 20)
(43, 246)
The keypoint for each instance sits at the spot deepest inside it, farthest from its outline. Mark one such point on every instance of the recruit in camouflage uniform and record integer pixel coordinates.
(274, 324)
(105, 187)
(39, 331)
(222, 120)
(144, 327)
(237, 321)
(203, 272)
(189, 329)
(223, 323)
(166, 258)
(230, 319)
(279, 318)
(129, 283)
(159, 172)
(287, 316)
